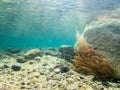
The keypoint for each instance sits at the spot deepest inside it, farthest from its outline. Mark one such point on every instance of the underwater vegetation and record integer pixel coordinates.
(88, 61)
(103, 34)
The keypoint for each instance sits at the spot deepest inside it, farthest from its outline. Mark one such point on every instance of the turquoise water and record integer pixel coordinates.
(47, 23)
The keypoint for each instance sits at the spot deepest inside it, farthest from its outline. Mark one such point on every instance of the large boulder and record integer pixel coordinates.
(103, 35)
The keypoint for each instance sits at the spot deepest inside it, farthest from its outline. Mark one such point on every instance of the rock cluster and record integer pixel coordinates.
(13, 50)
(46, 72)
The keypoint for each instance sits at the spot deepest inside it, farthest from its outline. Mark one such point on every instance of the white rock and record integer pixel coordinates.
(57, 70)
(37, 58)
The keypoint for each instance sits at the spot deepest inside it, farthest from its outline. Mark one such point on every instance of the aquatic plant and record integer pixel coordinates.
(87, 61)
(103, 34)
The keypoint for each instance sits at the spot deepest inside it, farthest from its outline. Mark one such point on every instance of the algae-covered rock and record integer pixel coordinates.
(103, 34)
(88, 61)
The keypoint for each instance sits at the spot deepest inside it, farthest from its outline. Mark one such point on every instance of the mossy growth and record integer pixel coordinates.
(88, 61)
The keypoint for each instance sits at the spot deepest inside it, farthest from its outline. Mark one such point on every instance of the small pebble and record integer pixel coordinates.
(23, 83)
(16, 67)
(31, 62)
(64, 69)
(56, 70)
(45, 64)
(37, 58)
(20, 60)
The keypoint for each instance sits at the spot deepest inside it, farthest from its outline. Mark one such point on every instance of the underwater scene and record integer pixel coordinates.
(59, 44)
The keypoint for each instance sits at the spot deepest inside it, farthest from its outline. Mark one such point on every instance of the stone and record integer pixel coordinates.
(22, 83)
(51, 69)
(57, 70)
(0, 55)
(64, 69)
(31, 63)
(13, 50)
(99, 36)
(112, 84)
(16, 67)
(31, 54)
(70, 80)
(67, 52)
(104, 37)
(20, 60)
(37, 58)
(51, 51)
(71, 72)
(4, 66)
(44, 64)
(86, 87)
(51, 48)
